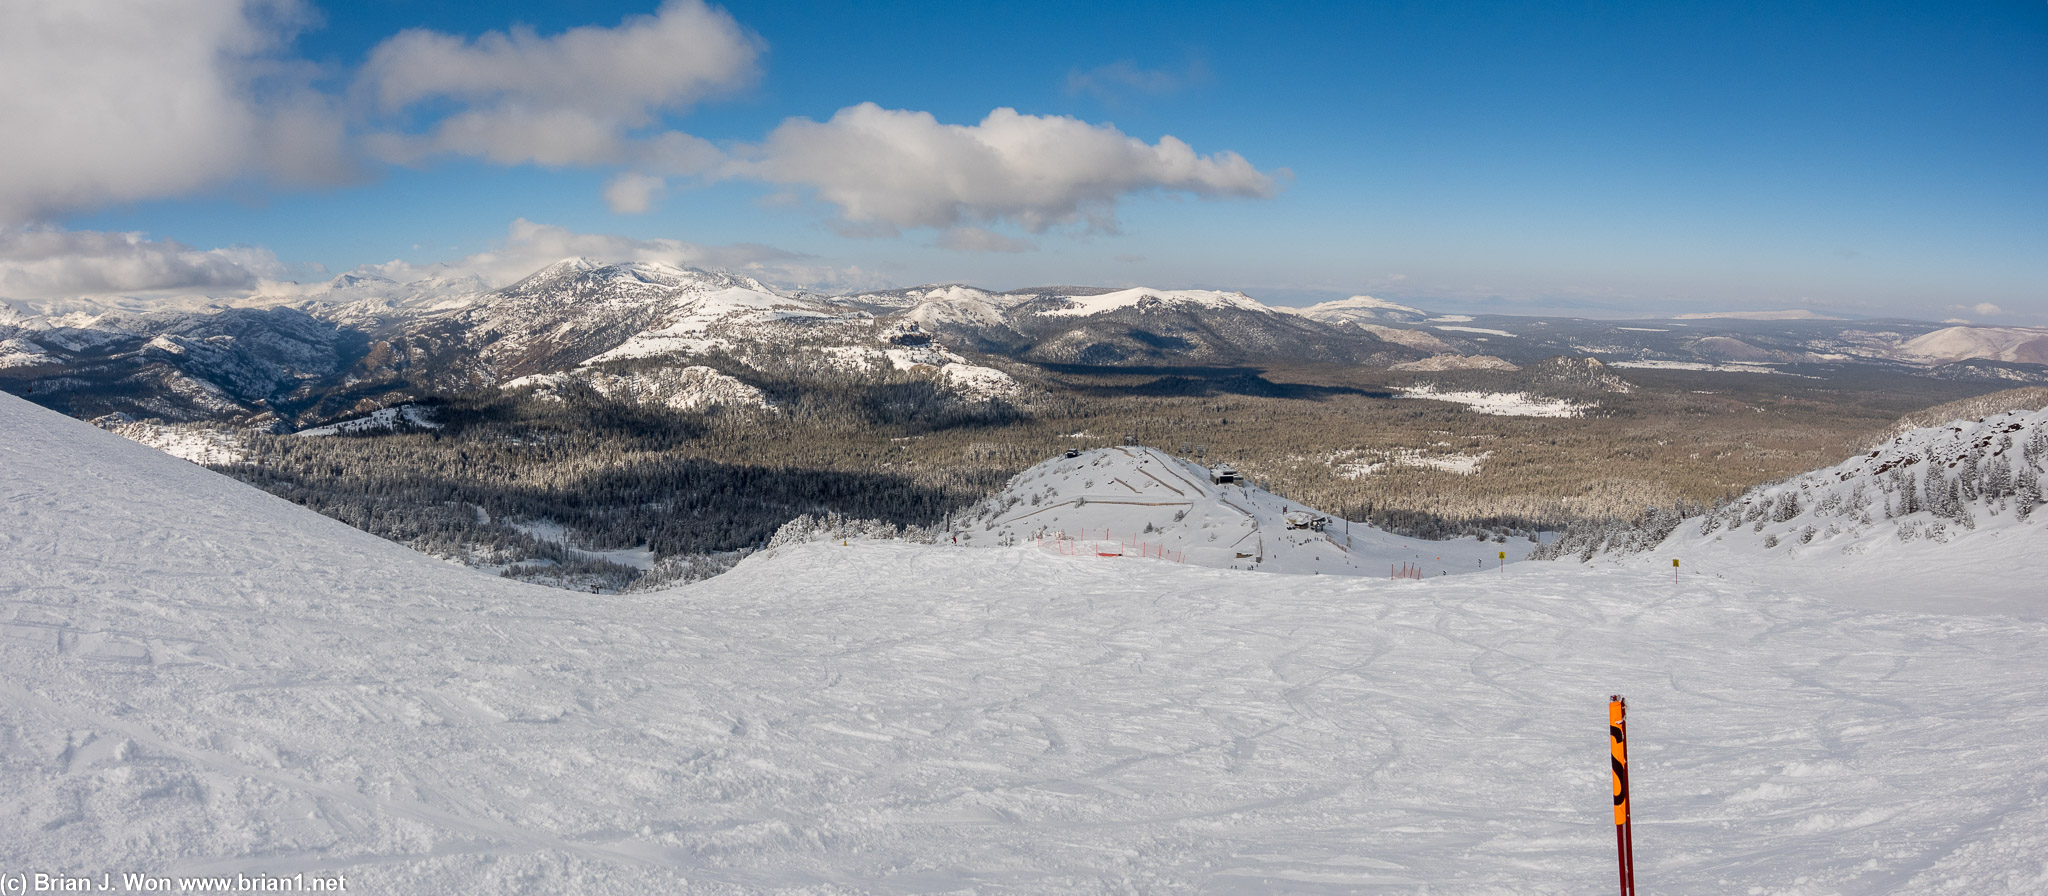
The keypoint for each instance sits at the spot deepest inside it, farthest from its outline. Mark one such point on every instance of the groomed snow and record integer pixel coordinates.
(1143, 504)
(196, 678)
(1835, 531)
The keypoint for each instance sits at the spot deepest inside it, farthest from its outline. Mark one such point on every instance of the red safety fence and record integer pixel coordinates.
(1085, 543)
(1406, 571)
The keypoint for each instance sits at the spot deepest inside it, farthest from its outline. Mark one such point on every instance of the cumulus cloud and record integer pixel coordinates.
(888, 168)
(529, 246)
(633, 193)
(121, 100)
(1981, 310)
(46, 262)
(581, 97)
(125, 100)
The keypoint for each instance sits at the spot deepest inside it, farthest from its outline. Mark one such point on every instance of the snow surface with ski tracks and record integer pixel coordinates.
(197, 678)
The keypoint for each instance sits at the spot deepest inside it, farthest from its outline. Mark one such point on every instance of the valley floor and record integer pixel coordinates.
(196, 678)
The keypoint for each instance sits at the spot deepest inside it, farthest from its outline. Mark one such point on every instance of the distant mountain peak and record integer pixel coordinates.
(345, 281)
(1359, 309)
(1144, 297)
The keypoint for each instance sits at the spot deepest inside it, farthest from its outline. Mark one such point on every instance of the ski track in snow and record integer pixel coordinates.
(199, 678)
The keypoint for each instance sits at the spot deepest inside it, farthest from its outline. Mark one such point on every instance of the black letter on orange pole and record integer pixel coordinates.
(1624, 837)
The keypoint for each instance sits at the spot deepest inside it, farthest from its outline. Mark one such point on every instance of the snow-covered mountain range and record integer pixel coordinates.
(199, 680)
(363, 341)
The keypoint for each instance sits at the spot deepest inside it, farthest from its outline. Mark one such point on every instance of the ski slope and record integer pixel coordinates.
(196, 678)
(1940, 517)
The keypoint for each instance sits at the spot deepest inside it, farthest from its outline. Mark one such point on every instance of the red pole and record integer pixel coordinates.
(1624, 837)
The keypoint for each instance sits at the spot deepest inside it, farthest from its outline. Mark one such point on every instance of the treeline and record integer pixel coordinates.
(612, 476)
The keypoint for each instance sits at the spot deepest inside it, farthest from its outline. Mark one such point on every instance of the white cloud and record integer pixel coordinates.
(45, 262)
(1981, 309)
(121, 100)
(576, 98)
(124, 100)
(528, 247)
(632, 193)
(892, 168)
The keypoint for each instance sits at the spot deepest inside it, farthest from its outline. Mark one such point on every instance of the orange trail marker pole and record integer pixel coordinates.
(1624, 836)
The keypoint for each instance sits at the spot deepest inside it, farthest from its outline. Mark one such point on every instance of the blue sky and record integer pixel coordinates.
(1601, 158)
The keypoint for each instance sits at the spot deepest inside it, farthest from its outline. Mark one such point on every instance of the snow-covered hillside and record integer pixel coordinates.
(1144, 299)
(578, 310)
(398, 419)
(1364, 310)
(1141, 503)
(1499, 404)
(2027, 345)
(199, 679)
(1945, 510)
(686, 388)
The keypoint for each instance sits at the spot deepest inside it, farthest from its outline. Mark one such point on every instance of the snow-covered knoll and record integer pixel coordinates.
(1363, 309)
(403, 417)
(2026, 345)
(1940, 516)
(197, 678)
(1142, 503)
(684, 388)
(941, 305)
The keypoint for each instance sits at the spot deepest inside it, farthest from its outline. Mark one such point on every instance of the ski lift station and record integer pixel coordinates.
(1223, 474)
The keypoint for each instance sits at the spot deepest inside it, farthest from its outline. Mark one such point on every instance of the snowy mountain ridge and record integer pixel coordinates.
(1144, 299)
(308, 354)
